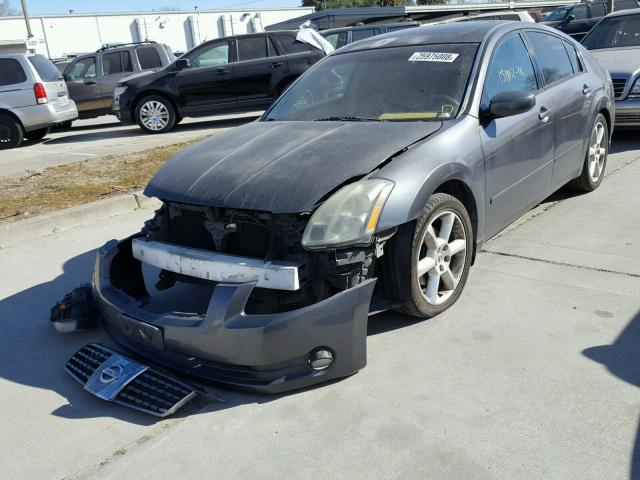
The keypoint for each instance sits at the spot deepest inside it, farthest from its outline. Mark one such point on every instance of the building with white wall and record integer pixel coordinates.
(59, 35)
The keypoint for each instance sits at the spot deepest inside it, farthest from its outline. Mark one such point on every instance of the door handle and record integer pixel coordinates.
(586, 90)
(276, 64)
(544, 114)
(90, 82)
(221, 71)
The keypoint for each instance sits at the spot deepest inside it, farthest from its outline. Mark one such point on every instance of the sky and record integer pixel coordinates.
(39, 7)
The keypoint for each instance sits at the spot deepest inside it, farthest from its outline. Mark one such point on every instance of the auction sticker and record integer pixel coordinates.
(433, 57)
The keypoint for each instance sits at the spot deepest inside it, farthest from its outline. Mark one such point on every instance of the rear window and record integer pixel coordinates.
(46, 69)
(116, 62)
(11, 72)
(148, 57)
(252, 48)
(291, 45)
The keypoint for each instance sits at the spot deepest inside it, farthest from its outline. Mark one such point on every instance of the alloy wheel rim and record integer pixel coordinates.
(597, 152)
(154, 115)
(440, 264)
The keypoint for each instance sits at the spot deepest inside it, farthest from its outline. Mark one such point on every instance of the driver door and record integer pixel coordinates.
(518, 150)
(83, 85)
(208, 85)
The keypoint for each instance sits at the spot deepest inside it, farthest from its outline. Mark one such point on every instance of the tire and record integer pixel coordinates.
(37, 134)
(155, 114)
(447, 263)
(11, 133)
(595, 160)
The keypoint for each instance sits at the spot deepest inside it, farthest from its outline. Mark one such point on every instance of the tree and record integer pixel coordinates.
(6, 8)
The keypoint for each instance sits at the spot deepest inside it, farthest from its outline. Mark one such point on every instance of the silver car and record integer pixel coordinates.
(615, 42)
(33, 98)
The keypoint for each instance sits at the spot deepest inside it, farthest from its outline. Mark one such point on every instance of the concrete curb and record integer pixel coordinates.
(13, 233)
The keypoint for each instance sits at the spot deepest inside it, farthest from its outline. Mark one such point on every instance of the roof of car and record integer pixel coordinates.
(622, 13)
(368, 26)
(460, 32)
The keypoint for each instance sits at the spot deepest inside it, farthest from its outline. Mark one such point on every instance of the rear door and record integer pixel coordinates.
(115, 65)
(518, 150)
(259, 71)
(16, 88)
(82, 83)
(208, 85)
(56, 88)
(571, 99)
(300, 56)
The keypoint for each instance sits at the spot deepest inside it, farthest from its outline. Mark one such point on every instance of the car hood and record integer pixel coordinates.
(619, 60)
(281, 167)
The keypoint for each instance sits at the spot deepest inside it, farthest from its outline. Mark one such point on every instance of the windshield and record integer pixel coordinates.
(614, 32)
(416, 83)
(557, 14)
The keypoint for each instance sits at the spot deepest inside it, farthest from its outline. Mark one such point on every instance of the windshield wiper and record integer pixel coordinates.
(347, 119)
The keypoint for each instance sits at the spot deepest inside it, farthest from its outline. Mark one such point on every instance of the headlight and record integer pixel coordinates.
(635, 90)
(119, 91)
(349, 217)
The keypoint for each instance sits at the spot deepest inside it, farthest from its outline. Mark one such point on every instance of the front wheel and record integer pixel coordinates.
(38, 134)
(155, 114)
(596, 158)
(441, 252)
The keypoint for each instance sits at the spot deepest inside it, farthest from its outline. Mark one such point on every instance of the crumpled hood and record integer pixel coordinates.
(622, 61)
(281, 167)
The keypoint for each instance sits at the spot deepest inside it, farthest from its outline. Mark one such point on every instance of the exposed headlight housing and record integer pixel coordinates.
(349, 217)
(635, 89)
(119, 90)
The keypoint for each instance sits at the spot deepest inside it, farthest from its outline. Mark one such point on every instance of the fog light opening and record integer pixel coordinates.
(320, 358)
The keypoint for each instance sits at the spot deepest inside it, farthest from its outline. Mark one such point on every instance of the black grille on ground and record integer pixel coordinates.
(114, 377)
(154, 393)
(618, 86)
(86, 361)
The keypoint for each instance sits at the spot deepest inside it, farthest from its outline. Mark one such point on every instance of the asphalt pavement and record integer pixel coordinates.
(533, 374)
(98, 137)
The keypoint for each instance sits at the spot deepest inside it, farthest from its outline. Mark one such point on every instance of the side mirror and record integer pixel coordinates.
(181, 64)
(506, 104)
(569, 19)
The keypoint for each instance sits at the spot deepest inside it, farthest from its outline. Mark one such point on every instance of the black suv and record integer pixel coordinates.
(576, 20)
(91, 78)
(239, 73)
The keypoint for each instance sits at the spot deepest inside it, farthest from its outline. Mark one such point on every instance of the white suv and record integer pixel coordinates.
(33, 98)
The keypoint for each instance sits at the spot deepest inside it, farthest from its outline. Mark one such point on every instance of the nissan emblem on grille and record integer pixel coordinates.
(114, 377)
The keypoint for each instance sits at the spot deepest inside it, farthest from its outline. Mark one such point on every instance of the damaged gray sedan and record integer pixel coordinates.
(370, 184)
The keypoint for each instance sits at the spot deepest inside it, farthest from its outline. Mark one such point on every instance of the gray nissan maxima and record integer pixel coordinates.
(370, 184)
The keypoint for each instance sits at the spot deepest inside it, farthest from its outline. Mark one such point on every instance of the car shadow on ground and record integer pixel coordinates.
(622, 360)
(625, 140)
(84, 134)
(33, 353)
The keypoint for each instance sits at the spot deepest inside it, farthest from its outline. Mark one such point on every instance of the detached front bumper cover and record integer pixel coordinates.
(263, 353)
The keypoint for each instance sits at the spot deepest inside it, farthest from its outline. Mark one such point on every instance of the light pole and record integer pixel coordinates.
(26, 18)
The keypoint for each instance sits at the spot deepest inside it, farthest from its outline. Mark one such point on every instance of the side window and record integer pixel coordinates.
(551, 56)
(579, 12)
(11, 72)
(510, 68)
(291, 45)
(252, 48)
(598, 10)
(84, 68)
(337, 39)
(209, 56)
(515, 18)
(573, 57)
(116, 62)
(148, 57)
(361, 34)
